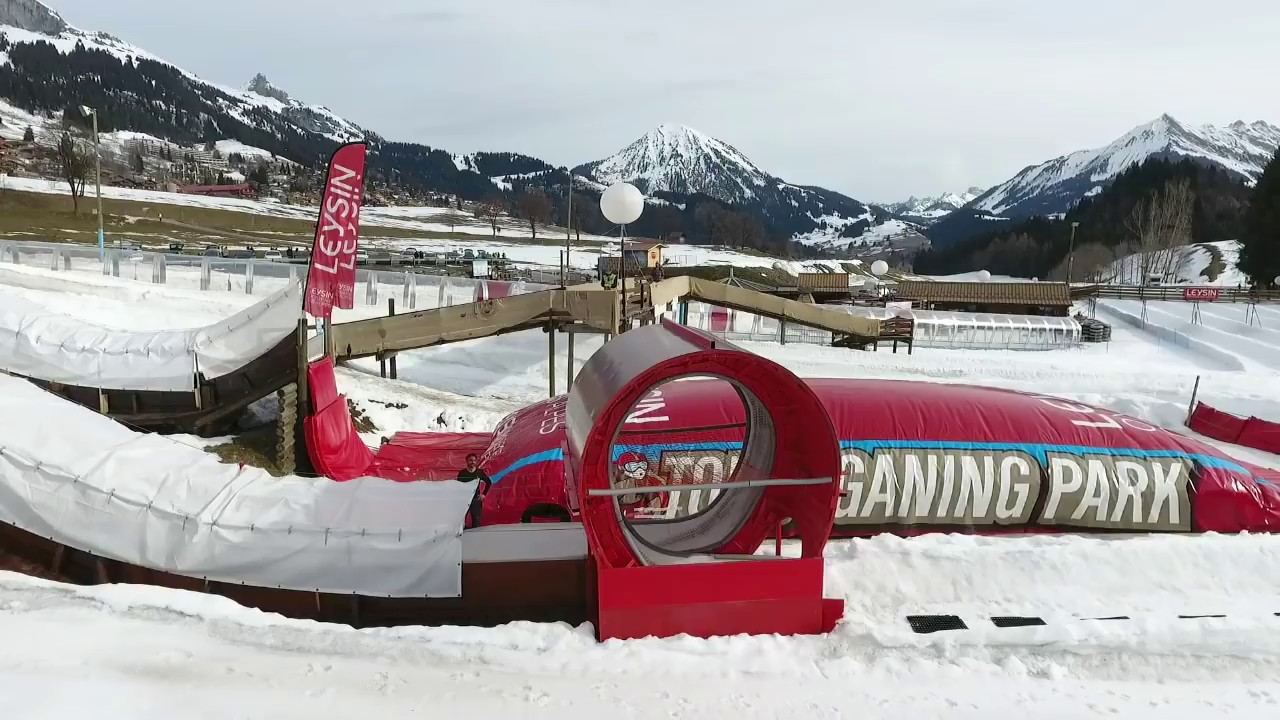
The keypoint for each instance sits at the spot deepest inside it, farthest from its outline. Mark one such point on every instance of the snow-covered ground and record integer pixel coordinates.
(1190, 264)
(128, 652)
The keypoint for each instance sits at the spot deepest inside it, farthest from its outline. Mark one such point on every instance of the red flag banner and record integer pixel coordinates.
(331, 280)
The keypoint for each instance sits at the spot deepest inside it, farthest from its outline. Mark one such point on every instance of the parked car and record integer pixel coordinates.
(212, 251)
(362, 257)
(272, 256)
(175, 247)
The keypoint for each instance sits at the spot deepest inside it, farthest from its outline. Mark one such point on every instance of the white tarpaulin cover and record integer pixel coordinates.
(37, 343)
(72, 475)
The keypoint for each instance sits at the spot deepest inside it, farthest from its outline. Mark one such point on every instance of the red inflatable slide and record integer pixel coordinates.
(914, 457)
(337, 452)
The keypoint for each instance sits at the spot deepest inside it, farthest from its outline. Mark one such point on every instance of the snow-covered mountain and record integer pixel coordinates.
(678, 160)
(31, 15)
(927, 209)
(1054, 186)
(27, 25)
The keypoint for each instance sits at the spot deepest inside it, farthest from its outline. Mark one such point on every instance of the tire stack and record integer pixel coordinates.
(1094, 331)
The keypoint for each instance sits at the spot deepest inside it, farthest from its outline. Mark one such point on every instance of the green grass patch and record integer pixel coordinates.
(49, 217)
(255, 448)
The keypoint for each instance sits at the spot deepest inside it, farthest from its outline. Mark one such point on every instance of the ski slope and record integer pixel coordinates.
(1221, 330)
(136, 652)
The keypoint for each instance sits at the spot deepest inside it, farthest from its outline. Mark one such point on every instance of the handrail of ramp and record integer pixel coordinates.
(757, 303)
(587, 305)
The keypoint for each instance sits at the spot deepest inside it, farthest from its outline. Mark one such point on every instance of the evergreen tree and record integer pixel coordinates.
(29, 135)
(1260, 254)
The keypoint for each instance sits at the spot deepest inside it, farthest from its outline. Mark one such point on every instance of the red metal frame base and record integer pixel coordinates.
(753, 597)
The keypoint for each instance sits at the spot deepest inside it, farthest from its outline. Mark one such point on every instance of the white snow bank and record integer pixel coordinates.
(146, 500)
(215, 659)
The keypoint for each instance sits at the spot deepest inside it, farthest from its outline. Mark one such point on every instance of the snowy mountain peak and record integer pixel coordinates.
(676, 158)
(1058, 184)
(31, 16)
(262, 86)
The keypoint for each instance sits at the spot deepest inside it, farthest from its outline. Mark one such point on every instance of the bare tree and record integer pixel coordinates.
(668, 220)
(1161, 229)
(535, 208)
(75, 167)
(490, 211)
(1094, 261)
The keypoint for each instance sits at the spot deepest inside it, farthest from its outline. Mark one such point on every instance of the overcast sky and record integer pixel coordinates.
(878, 100)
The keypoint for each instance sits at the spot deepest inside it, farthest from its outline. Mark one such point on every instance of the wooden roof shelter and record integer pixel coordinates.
(987, 295)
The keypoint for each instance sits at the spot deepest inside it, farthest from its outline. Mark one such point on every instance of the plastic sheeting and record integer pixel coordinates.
(37, 343)
(149, 501)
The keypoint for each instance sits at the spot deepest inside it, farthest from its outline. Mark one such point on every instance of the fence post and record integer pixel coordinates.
(1195, 391)
(391, 312)
(206, 273)
(551, 359)
(371, 288)
(248, 277)
(568, 375)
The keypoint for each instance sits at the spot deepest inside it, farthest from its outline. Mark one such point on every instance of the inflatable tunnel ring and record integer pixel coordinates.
(790, 438)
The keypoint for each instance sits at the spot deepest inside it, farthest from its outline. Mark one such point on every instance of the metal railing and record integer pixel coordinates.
(253, 276)
(1174, 293)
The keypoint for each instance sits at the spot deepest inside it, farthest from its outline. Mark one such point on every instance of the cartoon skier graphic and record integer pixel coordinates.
(633, 469)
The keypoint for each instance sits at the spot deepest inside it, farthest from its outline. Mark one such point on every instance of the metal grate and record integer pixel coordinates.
(925, 624)
(1008, 621)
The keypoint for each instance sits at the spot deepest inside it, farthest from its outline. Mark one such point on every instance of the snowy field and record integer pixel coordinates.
(129, 652)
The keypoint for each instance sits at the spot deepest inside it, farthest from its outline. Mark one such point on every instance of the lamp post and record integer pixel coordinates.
(568, 233)
(97, 161)
(622, 204)
(1071, 251)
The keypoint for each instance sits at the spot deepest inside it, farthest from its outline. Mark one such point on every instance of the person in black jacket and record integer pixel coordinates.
(473, 472)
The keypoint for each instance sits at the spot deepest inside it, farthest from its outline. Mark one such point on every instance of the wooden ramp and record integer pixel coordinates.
(584, 306)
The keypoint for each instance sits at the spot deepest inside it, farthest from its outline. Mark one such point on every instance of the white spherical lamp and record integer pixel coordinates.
(879, 268)
(1277, 281)
(984, 276)
(622, 203)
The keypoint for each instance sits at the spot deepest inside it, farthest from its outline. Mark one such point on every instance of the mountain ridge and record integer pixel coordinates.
(1055, 185)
